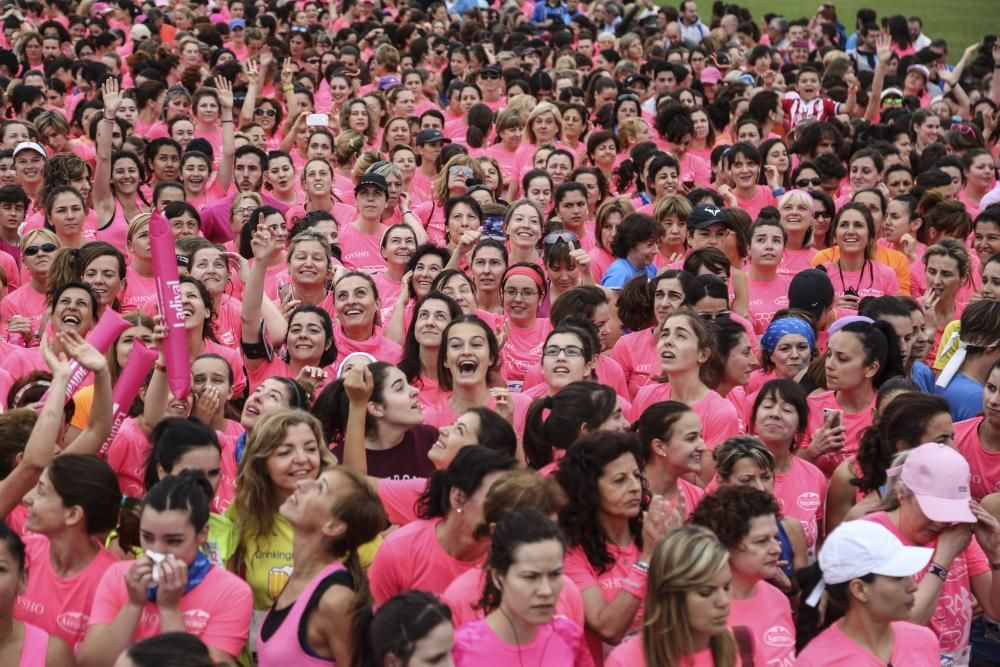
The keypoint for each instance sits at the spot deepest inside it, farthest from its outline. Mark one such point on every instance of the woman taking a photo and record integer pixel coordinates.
(310, 622)
(686, 615)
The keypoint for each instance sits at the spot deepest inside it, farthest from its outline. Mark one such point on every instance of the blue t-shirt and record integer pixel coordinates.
(621, 271)
(964, 395)
(923, 377)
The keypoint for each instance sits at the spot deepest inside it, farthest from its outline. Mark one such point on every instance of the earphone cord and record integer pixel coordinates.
(517, 640)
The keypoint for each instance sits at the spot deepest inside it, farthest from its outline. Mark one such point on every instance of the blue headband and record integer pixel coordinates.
(781, 328)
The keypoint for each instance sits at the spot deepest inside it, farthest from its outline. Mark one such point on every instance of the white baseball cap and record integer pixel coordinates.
(30, 146)
(860, 547)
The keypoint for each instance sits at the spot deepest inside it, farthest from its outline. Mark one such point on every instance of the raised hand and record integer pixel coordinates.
(266, 57)
(359, 385)
(883, 47)
(111, 94)
(224, 90)
(252, 73)
(287, 72)
(262, 244)
(85, 354)
(55, 357)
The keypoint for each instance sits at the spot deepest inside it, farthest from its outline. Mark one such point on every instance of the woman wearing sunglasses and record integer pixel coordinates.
(451, 181)
(566, 264)
(22, 311)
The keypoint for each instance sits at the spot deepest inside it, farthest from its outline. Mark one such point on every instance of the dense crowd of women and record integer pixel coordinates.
(550, 333)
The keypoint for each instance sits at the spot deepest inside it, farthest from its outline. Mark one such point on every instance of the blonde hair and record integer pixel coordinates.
(523, 104)
(672, 205)
(347, 145)
(439, 186)
(252, 196)
(540, 109)
(686, 559)
(628, 130)
(257, 499)
(136, 224)
(46, 234)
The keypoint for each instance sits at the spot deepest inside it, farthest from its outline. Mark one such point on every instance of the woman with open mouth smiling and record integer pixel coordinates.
(470, 357)
(199, 315)
(745, 521)
(73, 307)
(358, 322)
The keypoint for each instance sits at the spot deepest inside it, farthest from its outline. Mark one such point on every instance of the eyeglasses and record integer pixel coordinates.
(571, 351)
(33, 250)
(526, 293)
(806, 182)
(265, 112)
(457, 170)
(721, 315)
(440, 52)
(560, 237)
(490, 75)
(246, 210)
(313, 61)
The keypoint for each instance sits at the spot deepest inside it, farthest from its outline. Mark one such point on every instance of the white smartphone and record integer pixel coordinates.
(317, 120)
(838, 419)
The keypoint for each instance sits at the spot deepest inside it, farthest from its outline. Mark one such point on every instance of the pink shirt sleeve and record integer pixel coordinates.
(399, 497)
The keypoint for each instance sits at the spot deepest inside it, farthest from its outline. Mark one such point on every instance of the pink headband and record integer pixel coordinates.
(527, 273)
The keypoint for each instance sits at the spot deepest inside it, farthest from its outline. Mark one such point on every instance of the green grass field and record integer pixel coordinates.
(961, 22)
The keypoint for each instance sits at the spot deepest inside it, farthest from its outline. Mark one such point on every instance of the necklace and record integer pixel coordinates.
(861, 277)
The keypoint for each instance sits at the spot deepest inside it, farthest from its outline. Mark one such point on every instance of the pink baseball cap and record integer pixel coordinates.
(938, 476)
(711, 75)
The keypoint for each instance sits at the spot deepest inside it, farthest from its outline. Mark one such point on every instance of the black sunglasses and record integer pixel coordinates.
(490, 75)
(806, 182)
(33, 250)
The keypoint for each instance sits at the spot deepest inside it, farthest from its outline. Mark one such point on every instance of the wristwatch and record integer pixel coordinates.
(939, 572)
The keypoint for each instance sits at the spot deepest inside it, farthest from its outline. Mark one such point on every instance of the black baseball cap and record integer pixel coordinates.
(430, 135)
(374, 180)
(811, 290)
(704, 216)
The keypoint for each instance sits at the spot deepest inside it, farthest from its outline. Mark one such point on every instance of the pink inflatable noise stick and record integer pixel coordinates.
(132, 377)
(102, 337)
(168, 294)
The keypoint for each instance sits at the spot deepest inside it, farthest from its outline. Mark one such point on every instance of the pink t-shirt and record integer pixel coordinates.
(585, 576)
(600, 260)
(608, 372)
(399, 498)
(558, 643)
(631, 654)
(983, 464)
(127, 456)
(139, 293)
(768, 616)
(442, 414)
(413, 558)
(801, 494)
(719, 420)
(878, 280)
(217, 610)
(766, 298)
(762, 197)
(361, 252)
(914, 646)
(60, 607)
(463, 595)
(793, 261)
(636, 354)
(523, 350)
(952, 618)
(35, 647)
(376, 345)
(855, 424)
(25, 302)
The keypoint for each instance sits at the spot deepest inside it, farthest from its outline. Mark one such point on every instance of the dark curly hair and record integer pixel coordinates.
(727, 512)
(579, 474)
(901, 425)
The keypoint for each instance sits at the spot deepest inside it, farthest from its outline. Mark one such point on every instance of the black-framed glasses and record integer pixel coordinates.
(806, 182)
(571, 351)
(560, 237)
(47, 248)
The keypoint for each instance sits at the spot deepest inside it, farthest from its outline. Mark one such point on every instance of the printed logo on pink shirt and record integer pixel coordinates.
(779, 635)
(196, 620)
(808, 501)
(73, 621)
(31, 606)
